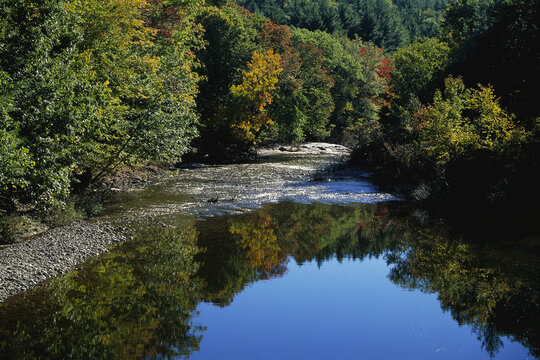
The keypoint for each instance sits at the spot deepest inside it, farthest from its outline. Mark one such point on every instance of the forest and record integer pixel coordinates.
(438, 98)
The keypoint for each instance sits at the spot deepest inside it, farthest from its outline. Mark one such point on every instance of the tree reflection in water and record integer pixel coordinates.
(493, 288)
(137, 301)
(133, 302)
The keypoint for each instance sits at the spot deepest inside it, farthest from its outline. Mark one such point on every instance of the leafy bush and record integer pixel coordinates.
(461, 121)
(15, 228)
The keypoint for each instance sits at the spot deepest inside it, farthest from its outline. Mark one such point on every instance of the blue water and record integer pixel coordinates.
(347, 310)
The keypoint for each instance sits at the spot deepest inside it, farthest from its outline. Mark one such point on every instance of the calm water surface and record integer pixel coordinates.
(346, 310)
(273, 265)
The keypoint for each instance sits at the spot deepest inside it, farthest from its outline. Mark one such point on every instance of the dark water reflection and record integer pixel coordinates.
(142, 300)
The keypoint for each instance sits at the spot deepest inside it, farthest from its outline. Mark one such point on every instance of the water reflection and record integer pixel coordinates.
(138, 300)
(131, 303)
(494, 289)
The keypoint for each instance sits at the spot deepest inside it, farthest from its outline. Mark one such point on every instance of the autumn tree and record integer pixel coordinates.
(230, 35)
(252, 96)
(303, 99)
(368, 91)
(462, 120)
(286, 109)
(260, 242)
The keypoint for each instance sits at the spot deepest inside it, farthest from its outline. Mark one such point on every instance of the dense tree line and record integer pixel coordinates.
(388, 24)
(265, 82)
(462, 124)
(87, 86)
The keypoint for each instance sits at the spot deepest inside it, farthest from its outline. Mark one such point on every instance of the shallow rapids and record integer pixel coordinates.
(207, 190)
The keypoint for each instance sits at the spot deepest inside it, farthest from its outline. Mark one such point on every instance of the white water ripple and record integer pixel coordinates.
(233, 188)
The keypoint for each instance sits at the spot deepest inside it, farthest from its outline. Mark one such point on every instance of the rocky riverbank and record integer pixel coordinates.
(27, 264)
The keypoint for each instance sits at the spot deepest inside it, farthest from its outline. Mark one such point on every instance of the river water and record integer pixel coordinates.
(290, 257)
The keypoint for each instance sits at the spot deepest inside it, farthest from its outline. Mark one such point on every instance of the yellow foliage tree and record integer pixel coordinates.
(260, 241)
(462, 120)
(493, 125)
(254, 93)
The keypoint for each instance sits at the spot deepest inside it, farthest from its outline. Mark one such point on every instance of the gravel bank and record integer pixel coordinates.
(27, 264)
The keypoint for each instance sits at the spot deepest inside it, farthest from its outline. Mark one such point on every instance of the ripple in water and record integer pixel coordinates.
(225, 189)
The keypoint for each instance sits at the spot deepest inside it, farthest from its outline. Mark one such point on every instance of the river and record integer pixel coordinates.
(289, 257)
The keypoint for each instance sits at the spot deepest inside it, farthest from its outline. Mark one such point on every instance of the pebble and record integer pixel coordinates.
(27, 264)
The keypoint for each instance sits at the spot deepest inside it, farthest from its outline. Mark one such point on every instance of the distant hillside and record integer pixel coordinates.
(389, 24)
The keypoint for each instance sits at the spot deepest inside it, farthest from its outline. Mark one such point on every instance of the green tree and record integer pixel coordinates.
(15, 161)
(316, 89)
(90, 90)
(419, 68)
(360, 72)
(286, 110)
(303, 99)
(231, 36)
(374, 21)
(491, 42)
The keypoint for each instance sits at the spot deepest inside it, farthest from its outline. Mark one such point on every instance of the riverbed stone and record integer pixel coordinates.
(27, 264)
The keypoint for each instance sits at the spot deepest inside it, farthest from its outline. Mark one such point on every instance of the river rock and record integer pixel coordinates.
(26, 264)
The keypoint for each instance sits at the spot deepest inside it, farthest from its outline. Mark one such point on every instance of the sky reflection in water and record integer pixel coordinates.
(347, 310)
(386, 304)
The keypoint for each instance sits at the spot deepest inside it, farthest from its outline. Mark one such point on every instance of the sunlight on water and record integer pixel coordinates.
(226, 189)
